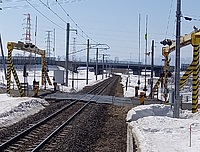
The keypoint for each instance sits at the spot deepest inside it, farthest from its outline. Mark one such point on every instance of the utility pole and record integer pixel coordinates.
(145, 76)
(67, 53)
(177, 67)
(106, 66)
(96, 63)
(73, 60)
(34, 81)
(139, 54)
(87, 64)
(54, 42)
(103, 67)
(152, 67)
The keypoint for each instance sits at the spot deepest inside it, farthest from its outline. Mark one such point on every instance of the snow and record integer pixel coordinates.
(157, 131)
(152, 126)
(14, 109)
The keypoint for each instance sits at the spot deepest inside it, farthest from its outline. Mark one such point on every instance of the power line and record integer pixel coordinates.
(91, 47)
(53, 11)
(75, 23)
(170, 10)
(45, 16)
(64, 20)
(26, 6)
(50, 3)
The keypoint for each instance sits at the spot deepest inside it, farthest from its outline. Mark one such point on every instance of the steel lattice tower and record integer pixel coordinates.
(28, 28)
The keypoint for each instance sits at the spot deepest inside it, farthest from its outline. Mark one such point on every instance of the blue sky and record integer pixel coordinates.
(112, 22)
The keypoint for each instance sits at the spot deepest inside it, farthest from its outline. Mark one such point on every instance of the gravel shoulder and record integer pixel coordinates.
(113, 132)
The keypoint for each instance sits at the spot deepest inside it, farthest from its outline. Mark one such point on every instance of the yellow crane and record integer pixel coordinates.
(28, 47)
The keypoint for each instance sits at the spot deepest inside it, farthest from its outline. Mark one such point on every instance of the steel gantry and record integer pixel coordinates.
(28, 47)
(194, 39)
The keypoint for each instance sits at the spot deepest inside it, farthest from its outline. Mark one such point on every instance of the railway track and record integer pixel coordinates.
(37, 135)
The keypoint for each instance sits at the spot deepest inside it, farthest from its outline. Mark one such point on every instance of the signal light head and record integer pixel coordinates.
(32, 46)
(26, 45)
(166, 42)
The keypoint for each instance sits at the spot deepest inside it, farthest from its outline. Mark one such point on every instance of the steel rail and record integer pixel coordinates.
(28, 130)
(71, 118)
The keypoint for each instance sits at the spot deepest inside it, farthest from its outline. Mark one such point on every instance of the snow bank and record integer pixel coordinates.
(14, 109)
(149, 110)
(161, 133)
(154, 129)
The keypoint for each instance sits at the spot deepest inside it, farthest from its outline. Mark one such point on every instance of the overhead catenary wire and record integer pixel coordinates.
(52, 11)
(82, 36)
(75, 22)
(7, 2)
(45, 15)
(168, 20)
(91, 47)
(65, 21)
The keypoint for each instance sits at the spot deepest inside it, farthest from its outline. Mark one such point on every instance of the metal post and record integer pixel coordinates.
(25, 79)
(106, 67)
(4, 65)
(128, 75)
(177, 67)
(103, 67)
(96, 63)
(67, 53)
(35, 52)
(152, 67)
(145, 76)
(87, 63)
(54, 42)
(110, 69)
(139, 54)
(77, 80)
(73, 77)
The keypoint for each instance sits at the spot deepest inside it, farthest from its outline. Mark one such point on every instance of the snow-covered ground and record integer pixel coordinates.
(156, 131)
(152, 125)
(78, 84)
(13, 109)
